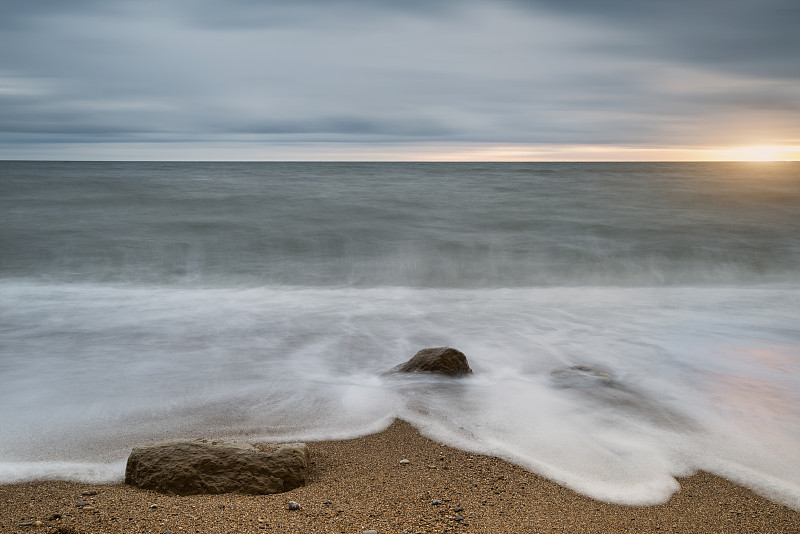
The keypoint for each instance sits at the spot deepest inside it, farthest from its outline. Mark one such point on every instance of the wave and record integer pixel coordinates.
(699, 377)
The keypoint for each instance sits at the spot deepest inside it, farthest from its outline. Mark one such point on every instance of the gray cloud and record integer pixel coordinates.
(440, 71)
(755, 37)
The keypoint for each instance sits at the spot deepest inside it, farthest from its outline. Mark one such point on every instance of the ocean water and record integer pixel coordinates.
(144, 301)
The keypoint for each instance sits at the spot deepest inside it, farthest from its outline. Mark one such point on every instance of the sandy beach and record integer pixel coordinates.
(358, 485)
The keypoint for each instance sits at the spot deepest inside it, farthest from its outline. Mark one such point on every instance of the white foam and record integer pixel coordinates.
(701, 378)
(92, 473)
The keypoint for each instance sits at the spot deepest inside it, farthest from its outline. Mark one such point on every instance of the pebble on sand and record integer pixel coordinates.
(294, 506)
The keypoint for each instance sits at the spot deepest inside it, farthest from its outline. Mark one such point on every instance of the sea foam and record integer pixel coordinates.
(699, 378)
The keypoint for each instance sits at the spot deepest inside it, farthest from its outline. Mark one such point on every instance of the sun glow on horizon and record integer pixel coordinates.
(764, 153)
(249, 149)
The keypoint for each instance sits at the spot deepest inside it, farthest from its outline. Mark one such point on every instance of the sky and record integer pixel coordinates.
(432, 80)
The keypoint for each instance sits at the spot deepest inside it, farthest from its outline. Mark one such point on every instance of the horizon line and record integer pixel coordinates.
(43, 160)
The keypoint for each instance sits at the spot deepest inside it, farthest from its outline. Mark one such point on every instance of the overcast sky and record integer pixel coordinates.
(395, 79)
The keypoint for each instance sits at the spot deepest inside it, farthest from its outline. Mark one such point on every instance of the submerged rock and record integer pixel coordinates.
(604, 390)
(441, 360)
(188, 467)
(581, 376)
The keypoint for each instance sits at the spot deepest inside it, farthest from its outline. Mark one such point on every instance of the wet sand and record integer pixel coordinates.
(360, 484)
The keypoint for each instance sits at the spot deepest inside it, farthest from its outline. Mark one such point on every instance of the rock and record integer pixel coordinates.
(404, 461)
(26, 524)
(370, 532)
(54, 517)
(154, 507)
(190, 467)
(441, 360)
(458, 518)
(436, 502)
(294, 506)
(81, 504)
(88, 493)
(580, 376)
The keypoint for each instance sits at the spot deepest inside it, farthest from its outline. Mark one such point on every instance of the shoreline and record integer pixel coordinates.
(358, 484)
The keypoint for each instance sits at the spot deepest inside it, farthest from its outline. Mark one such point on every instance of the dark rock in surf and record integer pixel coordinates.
(441, 360)
(190, 467)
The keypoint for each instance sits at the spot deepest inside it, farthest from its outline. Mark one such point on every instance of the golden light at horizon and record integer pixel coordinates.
(755, 153)
(764, 153)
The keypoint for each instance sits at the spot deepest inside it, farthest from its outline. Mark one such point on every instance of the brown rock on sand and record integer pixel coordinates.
(441, 360)
(190, 467)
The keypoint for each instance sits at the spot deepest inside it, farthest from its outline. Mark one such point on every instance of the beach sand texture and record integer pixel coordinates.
(360, 484)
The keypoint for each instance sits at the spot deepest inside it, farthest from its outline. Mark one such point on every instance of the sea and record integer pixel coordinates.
(627, 323)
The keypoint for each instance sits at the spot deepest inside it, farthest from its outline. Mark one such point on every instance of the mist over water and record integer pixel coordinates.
(141, 301)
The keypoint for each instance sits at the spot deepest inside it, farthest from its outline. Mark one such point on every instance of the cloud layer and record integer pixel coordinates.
(363, 73)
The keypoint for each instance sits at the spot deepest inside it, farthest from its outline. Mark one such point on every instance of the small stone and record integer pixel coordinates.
(370, 532)
(153, 506)
(87, 508)
(327, 502)
(53, 517)
(458, 509)
(26, 524)
(441, 360)
(37, 523)
(405, 461)
(294, 506)
(88, 493)
(81, 504)
(436, 502)
(458, 518)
